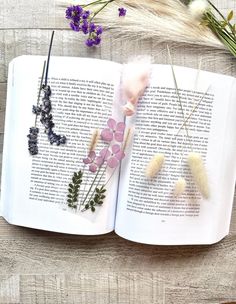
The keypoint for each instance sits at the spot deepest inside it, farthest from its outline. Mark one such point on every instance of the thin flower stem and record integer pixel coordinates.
(40, 89)
(93, 180)
(91, 186)
(49, 55)
(111, 176)
(98, 11)
(179, 99)
(191, 113)
(97, 183)
(92, 3)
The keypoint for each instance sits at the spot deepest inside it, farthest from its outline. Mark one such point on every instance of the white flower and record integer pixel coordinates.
(197, 8)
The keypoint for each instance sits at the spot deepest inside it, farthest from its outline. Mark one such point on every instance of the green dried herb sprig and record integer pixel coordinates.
(74, 189)
(97, 199)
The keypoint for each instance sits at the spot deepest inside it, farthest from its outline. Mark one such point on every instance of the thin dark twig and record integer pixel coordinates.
(49, 54)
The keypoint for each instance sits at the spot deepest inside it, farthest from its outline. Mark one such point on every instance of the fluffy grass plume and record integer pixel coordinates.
(199, 173)
(94, 140)
(162, 20)
(155, 165)
(127, 138)
(180, 186)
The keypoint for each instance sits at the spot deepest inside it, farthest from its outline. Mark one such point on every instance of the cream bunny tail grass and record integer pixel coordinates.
(94, 140)
(162, 20)
(155, 165)
(180, 186)
(199, 173)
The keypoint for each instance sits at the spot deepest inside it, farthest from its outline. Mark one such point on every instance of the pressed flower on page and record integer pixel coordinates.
(135, 79)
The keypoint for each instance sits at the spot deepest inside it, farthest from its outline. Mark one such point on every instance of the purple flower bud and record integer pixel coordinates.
(86, 14)
(89, 42)
(92, 27)
(84, 27)
(99, 30)
(122, 12)
(97, 41)
(74, 27)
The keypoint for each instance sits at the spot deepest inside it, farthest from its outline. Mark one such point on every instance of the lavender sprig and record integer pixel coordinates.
(33, 134)
(44, 110)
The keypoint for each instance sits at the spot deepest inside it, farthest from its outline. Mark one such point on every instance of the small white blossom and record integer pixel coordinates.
(197, 8)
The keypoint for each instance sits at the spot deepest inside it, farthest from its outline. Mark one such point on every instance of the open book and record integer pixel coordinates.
(85, 93)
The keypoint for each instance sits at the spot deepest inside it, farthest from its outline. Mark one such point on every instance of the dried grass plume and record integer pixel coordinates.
(180, 186)
(94, 140)
(162, 20)
(155, 165)
(199, 173)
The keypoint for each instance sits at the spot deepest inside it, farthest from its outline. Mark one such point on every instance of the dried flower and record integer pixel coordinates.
(114, 131)
(33, 141)
(199, 173)
(93, 161)
(94, 140)
(122, 11)
(180, 186)
(197, 8)
(112, 156)
(135, 79)
(155, 165)
(81, 20)
(127, 138)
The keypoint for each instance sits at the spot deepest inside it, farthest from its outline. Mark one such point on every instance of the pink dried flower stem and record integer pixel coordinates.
(91, 186)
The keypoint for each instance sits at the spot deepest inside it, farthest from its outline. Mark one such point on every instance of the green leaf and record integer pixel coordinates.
(91, 203)
(234, 28)
(93, 209)
(100, 202)
(74, 200)
(69, 196)
(103, 191)
(97, 190)
(204, 22)
(70, 190)
(86, 206)
(69, 201)
(102, 196)
(230, 15)
(71, 186)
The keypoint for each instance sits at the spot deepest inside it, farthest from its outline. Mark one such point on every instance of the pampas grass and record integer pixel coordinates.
(180, 186)
(155, 165)
(199, 173)
(162, 20)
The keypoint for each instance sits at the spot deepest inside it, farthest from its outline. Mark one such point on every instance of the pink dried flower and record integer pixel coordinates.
(93, 161)
(114, 131)
(113, 156)
(135, 79)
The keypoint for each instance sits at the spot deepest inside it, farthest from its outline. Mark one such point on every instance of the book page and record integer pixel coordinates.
(148, 211)
(35, 188)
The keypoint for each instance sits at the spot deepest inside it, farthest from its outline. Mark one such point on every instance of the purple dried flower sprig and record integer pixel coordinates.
(33, 131)
(44, 110)
(81, 20)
